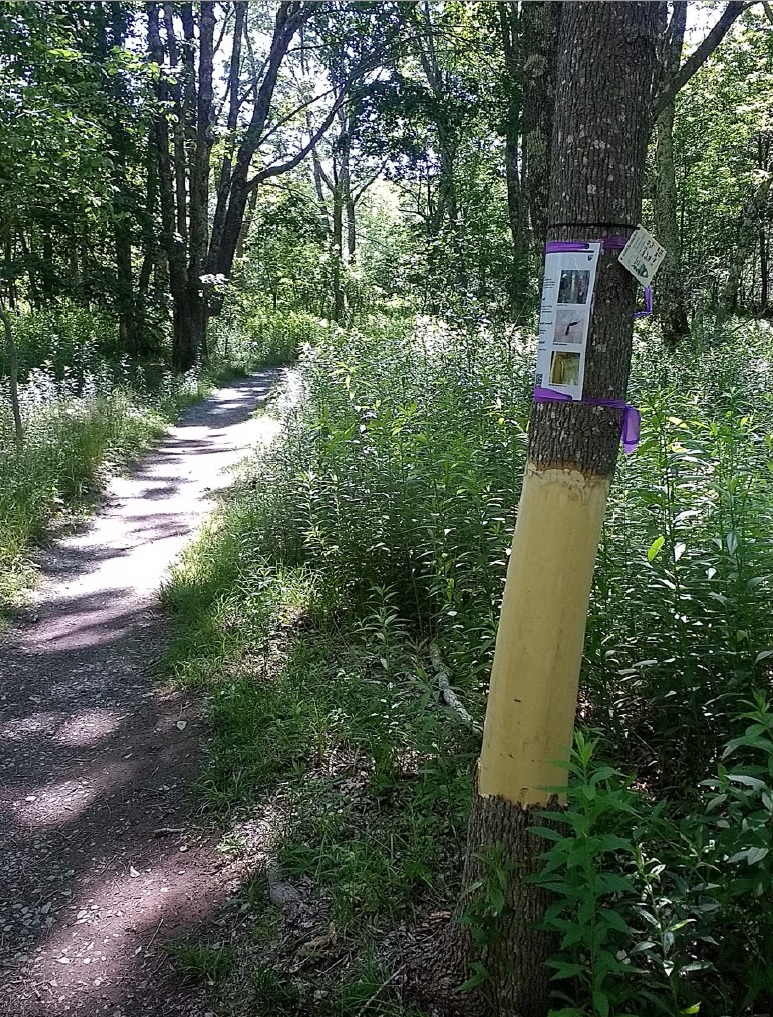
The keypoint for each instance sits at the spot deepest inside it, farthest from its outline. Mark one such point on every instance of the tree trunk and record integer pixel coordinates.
(539, 33)
(509, 30)
(671, 306)
(232, 200)
(747, 239)
(199, 179)
(13, 375)
(671, 309)
(337, 250)
(183, 352)
(764, 281)
(598, 164)
(224, 177)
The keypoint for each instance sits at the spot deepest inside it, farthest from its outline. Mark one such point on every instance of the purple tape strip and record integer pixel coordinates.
(615, 242)
(631, 427)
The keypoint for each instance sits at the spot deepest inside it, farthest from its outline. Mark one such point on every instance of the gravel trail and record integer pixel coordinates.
(102, 854)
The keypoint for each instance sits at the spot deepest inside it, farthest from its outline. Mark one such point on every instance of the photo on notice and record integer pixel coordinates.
(565, 369)
(570, 325)
(573, 287)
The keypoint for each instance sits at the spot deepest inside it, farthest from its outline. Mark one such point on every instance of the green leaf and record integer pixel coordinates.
(655, 548)
(754, 855)
(600, 1003)
(565, 969)
(479, 976)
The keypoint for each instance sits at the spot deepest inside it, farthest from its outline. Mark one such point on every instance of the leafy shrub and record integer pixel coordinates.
(658, 911)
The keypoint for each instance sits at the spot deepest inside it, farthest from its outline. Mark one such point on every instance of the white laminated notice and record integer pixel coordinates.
(642, 256)
(565, 314)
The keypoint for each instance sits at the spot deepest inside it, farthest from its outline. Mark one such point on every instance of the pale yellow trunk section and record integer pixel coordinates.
(532, 702)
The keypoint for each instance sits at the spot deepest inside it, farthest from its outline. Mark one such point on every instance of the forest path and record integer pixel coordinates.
(102, 856)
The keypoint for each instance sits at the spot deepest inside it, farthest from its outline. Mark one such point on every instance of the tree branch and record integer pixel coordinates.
(697, 59)
(284, 167)
(358, 192)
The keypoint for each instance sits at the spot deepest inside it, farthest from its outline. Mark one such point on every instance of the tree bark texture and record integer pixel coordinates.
(232, 201)
(539, 36)
(747, 240)
(671, 303)
(606, 63)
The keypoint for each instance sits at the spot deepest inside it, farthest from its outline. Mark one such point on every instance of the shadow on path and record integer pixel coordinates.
(101, 854)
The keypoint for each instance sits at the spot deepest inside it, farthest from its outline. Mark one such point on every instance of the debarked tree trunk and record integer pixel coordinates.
(606, 62)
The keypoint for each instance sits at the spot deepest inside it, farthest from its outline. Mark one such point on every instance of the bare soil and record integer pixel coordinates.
(104, 855)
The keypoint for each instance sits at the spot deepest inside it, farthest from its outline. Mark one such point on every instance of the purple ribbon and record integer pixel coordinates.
(631, 427)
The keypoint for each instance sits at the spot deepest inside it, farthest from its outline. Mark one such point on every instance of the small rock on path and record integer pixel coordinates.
(102, 857)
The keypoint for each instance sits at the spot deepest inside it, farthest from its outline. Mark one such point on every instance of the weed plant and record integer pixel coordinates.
(380, 523)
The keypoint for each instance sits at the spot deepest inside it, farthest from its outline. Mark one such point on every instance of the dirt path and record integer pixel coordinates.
(101, 853)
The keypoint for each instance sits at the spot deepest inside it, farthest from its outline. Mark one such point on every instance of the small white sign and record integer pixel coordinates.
(642, 256)
(565, 313)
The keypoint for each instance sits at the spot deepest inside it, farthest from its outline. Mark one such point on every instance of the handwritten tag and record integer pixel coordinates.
(642, 256)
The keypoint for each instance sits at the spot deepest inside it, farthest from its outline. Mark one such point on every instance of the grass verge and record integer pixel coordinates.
(337, 771)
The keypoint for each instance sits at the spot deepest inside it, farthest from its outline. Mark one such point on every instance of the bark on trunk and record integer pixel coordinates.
(199, 179)
(183, 342)
(747, 239)
(510, 33)
(232, 201)
(539, 33)
(598, 168)
(224, 177)
(764, 281)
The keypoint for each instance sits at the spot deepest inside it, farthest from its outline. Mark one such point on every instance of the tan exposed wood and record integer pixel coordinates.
(531, 706)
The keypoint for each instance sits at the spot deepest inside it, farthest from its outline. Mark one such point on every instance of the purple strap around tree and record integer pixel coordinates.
(631, 427)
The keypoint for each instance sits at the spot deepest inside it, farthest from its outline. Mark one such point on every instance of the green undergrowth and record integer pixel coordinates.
(373, 536)
(81, 423)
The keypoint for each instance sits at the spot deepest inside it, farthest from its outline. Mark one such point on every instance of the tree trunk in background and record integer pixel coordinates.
(224, 177)
(345, 146)
(183, 170)
(747, 240)
(764, 282)
(13, 375)
(606, 62)
(232, 200)
(671, 306)
(539, 33)
(173, 244)
(337, 245)
(199, 178)
(516, 212)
